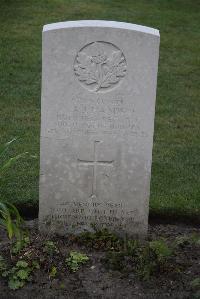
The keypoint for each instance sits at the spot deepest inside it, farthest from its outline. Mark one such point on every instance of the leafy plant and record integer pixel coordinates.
(152, 258)
(75, 259)
(160, 249)
(10, 218)
(19, 274)
(181, 241)
(53, 272)
(20, 244)
(50, 247)
(131, 247)
(193, 239)
(195, 284)
(3, 265)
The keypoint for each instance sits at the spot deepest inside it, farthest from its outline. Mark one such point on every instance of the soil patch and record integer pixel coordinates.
(96, 279)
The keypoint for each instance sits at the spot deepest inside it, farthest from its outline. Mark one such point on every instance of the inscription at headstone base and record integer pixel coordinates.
(97, 122)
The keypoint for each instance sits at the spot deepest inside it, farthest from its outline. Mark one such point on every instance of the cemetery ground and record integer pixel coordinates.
(98, 264)
(167, 265)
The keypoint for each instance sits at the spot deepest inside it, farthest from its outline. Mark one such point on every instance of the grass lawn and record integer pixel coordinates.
(175, 185)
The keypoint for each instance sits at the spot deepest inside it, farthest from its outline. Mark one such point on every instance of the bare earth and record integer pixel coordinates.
(96, 280)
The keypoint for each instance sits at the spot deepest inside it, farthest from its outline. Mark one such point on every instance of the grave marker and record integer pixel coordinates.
(97, 121)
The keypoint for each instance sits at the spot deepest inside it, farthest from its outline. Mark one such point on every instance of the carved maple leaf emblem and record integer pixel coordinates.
(99, 68)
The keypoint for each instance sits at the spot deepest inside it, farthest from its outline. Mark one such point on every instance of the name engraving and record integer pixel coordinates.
(97, 115)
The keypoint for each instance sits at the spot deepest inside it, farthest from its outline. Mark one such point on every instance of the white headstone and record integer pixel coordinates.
(98, 102)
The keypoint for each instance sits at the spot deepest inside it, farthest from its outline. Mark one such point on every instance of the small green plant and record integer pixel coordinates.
(10, 218)
(193, 239)
(3, 265)
(50, 247)
(53, 272)
(153, 258)
(181, 241)
(161, 249)
(115, 260)
(145, 263)
(19, 274)
(20, 244)
(131, 247)
(76, 259)
(195, 284)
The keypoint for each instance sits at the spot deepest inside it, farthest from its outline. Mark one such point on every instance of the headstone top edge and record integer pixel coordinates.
(101, 24)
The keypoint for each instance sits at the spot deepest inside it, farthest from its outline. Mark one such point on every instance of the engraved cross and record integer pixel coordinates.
(95, 162)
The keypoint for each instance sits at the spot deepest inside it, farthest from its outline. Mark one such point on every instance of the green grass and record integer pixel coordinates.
(175, 185)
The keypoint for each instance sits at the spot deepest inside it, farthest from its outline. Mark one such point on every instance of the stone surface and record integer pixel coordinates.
(98, 103)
